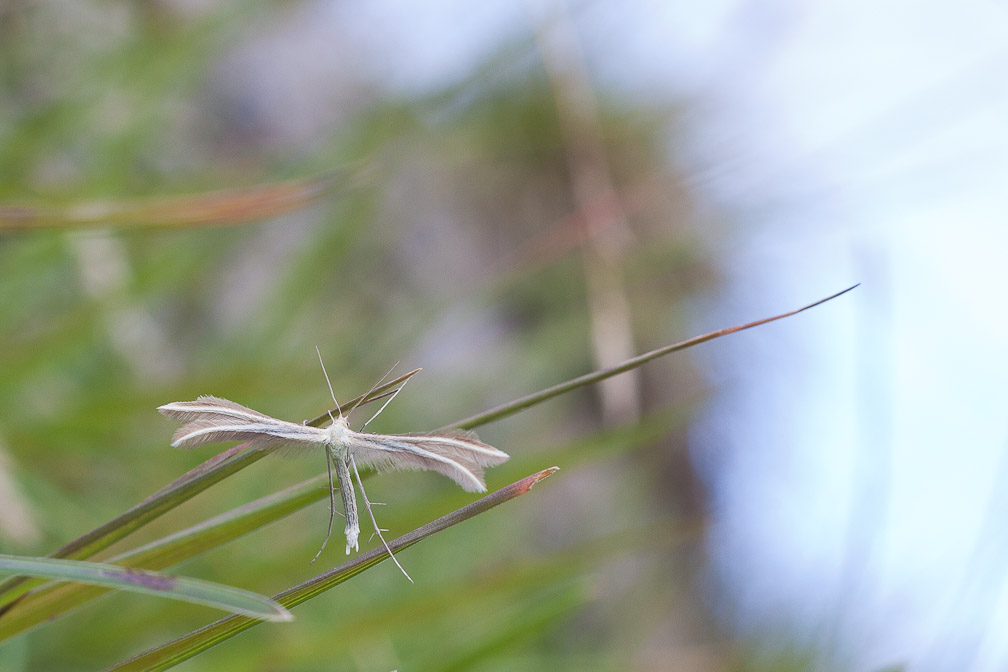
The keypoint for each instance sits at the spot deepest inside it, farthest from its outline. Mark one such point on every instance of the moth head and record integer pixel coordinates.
(338, 430)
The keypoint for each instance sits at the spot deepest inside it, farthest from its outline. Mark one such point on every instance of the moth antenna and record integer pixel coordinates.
(373, 388)
(332, 505)
(387, 402)
(374, 523)
(326, 374)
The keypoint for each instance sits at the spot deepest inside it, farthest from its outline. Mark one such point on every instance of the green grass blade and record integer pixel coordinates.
(146, 582)
(187, 646)
(521, 404)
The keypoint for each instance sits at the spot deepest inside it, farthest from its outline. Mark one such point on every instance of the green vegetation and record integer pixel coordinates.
(170, 228)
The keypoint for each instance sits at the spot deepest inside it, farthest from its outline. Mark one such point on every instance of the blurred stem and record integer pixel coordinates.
(208, 209)
(603, 230)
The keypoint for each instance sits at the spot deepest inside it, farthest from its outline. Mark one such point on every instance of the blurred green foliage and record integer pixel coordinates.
(459, 255)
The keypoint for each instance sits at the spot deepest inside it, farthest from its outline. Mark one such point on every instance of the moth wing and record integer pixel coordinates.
(206, 406)
(212, 420)
(459, 455)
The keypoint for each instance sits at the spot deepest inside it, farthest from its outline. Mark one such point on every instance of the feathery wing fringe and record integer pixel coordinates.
(212, 419)
(458, 455)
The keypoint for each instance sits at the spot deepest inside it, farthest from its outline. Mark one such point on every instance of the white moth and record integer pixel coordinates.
(459, 455)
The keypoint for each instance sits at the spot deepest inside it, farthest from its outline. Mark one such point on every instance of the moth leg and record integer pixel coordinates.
(374, 523)
(332, 503)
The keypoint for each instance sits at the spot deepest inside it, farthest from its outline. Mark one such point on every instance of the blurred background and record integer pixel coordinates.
(532, 191)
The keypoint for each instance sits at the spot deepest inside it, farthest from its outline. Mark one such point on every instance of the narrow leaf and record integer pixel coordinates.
(521, 404)
(149, 583)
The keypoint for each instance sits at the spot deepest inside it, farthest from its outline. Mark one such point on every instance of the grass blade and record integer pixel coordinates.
(146, 582)
(521, 404)
(184, 648)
